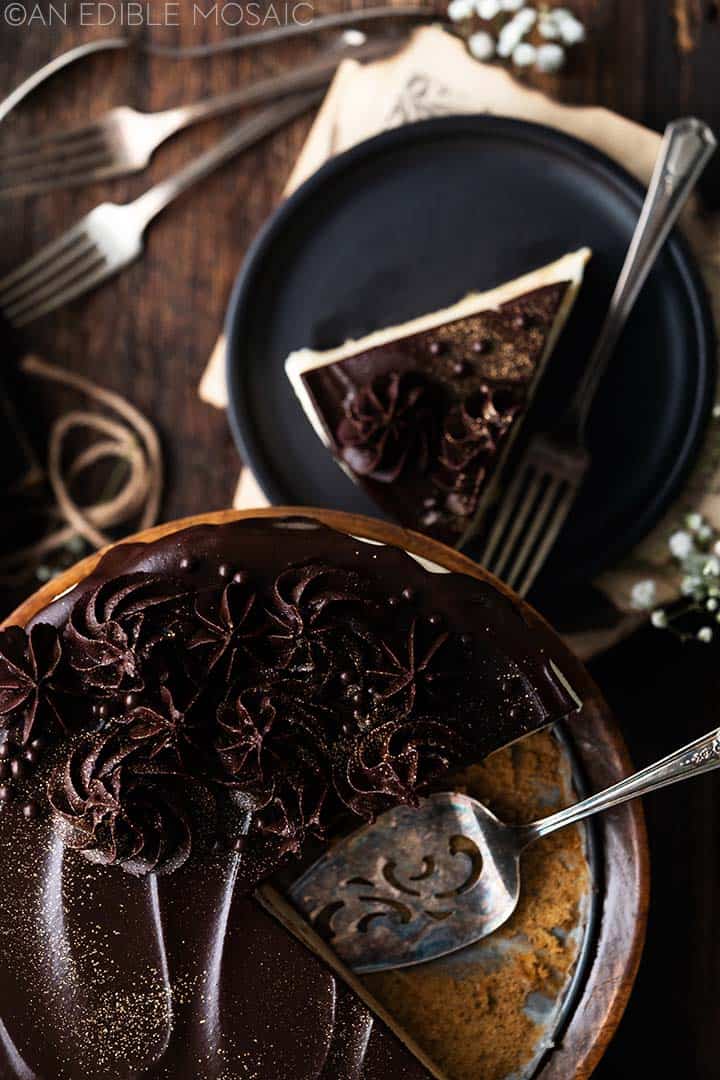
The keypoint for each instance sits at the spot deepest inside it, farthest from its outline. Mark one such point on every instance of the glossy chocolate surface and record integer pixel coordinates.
(421, 422)
(114, 974)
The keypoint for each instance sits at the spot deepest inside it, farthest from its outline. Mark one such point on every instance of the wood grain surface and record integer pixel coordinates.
(148, 334)
(604, 760)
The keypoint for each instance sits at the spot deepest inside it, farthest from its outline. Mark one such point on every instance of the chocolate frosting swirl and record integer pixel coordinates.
(118, 807)
(387, 423)
(391, 762)
(278, 701)
(471, 436)
(109, 635)
(28, 690)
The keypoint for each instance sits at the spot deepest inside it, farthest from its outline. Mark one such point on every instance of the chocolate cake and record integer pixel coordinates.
(423, 415)
(195, 715)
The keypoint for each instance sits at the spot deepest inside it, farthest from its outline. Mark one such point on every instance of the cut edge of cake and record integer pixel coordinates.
(569, 268)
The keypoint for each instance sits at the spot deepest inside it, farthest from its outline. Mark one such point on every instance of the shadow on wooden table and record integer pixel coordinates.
(664, 694)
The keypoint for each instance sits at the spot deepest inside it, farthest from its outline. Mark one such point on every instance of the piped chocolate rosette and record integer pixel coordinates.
(195, 713)
(422, 415)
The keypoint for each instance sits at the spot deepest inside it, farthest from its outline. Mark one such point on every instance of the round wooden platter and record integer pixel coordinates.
(603, 757)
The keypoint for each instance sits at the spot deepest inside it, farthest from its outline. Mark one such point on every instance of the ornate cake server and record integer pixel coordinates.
(423, 882)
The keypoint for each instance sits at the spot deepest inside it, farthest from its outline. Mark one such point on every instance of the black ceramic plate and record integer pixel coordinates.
(415, 218)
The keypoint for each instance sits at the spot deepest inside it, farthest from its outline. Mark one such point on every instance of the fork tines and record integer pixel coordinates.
(62, 270)
(56, 159)
(533, 510)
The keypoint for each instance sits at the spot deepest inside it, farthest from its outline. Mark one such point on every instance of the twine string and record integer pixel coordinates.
(127, 438)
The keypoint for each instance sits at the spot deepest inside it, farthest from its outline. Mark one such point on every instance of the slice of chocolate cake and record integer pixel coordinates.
(422, 415)
(187, 720)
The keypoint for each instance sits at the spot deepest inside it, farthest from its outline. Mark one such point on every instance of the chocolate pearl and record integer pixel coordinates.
(30, 810)
(393, 601)
(430, 502)
(31, 756)
(5, 793)
(240, 578)
(224, 571)
(436, 347)
(357, 715)
(187, 563)
(17, 769)
(466, 640)
(460, 368)
(103, 711)
(346, 677)
(131, 700)
(408, 594)
(4, 750)
(520, 322)
(435, 619)
(37, 744)
(482, 345)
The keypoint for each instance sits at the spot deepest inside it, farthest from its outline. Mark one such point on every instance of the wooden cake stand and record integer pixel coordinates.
(624, 885)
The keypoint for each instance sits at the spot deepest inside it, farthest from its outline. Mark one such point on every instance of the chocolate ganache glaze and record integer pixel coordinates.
(183, 723)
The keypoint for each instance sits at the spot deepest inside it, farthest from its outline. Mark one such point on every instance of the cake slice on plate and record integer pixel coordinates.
(422, 415)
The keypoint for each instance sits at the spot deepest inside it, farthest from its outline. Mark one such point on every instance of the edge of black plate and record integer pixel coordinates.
(447, 126)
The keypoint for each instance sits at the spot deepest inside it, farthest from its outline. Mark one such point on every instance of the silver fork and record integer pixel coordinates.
(111, 236)
(552, 467)
(122, 141)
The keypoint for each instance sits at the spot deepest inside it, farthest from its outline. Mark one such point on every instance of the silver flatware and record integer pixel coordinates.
(53, 67)
(123, 140)
(406, 14)
(110, 237)
(551, 469)
(423, 882)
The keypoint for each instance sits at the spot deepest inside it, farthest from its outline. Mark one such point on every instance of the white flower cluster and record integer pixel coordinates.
(696, 550)
(512, 22)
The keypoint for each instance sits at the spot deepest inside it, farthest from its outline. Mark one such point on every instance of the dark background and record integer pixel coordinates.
(149, 335)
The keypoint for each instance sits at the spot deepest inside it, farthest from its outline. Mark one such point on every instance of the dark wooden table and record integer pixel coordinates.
(149, 334)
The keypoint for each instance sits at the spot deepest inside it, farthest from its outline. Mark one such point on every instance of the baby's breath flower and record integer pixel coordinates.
(680, 544)
(712, 567)
(689, 585)
(525, 19)
(548, 26)
(716, 412)
(550, 58)
(571, 29)
(481, 45)
(459, 10)
(512, 5)
(694, 521)
(659, 619)
(711, 604)
(488, 9)
(510, 38)
(705, 634)
(704, 533)
(643, 594)
(524, 55)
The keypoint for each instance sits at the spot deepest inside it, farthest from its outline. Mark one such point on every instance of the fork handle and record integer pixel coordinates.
(264, 123)
(697, 757)
(686, 148)
(308, 77)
